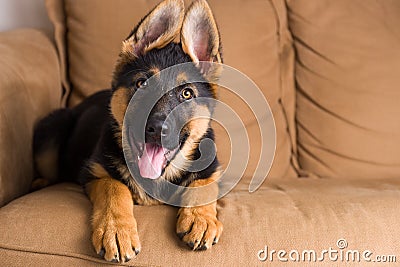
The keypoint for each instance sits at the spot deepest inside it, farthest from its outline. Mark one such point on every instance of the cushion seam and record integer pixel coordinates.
(293, 153)
(68, 255)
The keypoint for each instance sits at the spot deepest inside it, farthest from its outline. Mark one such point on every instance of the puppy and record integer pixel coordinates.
(86, 144)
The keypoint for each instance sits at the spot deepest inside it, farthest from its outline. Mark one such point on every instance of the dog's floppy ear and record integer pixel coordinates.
(157, 29)
(199, 35)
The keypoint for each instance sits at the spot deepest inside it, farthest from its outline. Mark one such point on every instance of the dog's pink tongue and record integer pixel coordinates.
(152, 161)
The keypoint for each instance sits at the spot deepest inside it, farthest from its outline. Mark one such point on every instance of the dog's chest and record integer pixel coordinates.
(139, 196)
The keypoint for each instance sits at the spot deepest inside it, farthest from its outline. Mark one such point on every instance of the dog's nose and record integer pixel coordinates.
(156, 129)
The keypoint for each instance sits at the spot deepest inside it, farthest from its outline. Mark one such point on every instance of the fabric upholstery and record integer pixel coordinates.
(51, 226)
(347, 74)
(29, 89)
(259, 45)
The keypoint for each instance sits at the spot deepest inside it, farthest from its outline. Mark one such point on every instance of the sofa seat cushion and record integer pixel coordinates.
(51, 227)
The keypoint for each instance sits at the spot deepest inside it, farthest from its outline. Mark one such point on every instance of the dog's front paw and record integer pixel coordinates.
(115, 237)
(198, 227)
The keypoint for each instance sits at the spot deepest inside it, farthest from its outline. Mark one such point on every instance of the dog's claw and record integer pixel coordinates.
(203, 247)
(102, 253)
(116, 258)
(191, 245)
(137, 251)
(215, 241)
(181, 235)
(127, 258)
(196, 244)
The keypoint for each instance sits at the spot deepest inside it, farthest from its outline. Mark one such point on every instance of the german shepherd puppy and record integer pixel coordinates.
(84, 143)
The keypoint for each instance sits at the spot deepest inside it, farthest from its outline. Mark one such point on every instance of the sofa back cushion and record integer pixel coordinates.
(29, 90)
(348, 81)
(255, 40)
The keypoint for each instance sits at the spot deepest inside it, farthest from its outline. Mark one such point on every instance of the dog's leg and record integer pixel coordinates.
(114, 227)
(199, 227)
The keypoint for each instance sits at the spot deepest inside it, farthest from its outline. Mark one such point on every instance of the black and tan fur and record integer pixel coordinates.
(84, 143)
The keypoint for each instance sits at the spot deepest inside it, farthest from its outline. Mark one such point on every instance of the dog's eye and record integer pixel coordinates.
(140, 83)
(187, 94)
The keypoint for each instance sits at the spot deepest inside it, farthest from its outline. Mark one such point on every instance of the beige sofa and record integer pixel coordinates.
(330, 71)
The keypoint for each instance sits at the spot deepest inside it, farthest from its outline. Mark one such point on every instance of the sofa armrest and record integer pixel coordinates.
(30, 87)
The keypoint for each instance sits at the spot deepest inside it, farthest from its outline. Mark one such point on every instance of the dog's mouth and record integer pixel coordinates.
(154, 160)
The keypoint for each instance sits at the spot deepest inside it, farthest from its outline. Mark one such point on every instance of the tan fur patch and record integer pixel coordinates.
(127, 46)
(172, 172)
(119, 104)
(154, 70)
(198, 127)
(98, 171)
(182, 78)
(114, 226)
(138, 194)
(214, 89)
(204, 194)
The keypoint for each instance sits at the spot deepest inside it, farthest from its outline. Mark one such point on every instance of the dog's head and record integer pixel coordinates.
(165, 38)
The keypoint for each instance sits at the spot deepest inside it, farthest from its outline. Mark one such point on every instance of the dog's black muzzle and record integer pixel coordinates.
(162, 132)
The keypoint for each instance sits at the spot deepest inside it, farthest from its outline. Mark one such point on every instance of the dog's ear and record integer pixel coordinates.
(157, 29)
(199, 35)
